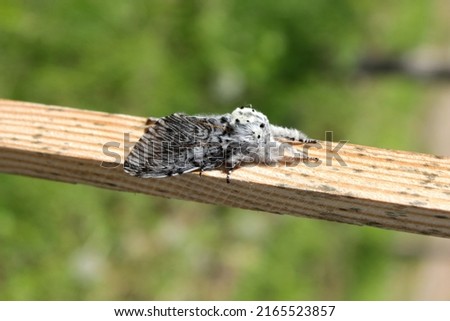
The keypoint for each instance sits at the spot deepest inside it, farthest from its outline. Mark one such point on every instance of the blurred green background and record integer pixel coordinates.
(314, 65)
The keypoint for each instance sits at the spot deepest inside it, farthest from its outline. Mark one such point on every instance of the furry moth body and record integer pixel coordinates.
(180, 143)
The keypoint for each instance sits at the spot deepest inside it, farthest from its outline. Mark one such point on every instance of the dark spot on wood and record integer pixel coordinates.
(401, 207)
(374, 224)
(418, 203)
(37, 136)
(356, 170)
(389, 159)
(355, 209)
(104, 164)
(327, 188)
(54, 109)
(305, 175)
(373, 166)
(409, 170)
(439, 157)
(434, 231)
(350, 195)
(110, 184)
(443, 217)
(361, 155)
(430, 177)
(393, 214)
(99, 124)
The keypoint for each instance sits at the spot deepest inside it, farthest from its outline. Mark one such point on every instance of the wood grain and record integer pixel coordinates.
(382, 188)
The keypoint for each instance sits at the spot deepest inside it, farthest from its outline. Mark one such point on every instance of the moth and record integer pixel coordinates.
(179, 143)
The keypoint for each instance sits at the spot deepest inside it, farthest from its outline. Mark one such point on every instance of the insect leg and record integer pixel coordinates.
(228, 176)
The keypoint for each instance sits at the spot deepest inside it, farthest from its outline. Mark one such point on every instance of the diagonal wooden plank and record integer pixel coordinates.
(389, 189)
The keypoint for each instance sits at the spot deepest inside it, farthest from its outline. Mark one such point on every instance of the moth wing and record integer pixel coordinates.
(177, 144)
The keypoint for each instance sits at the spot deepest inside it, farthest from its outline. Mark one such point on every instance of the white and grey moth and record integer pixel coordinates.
(180, 143)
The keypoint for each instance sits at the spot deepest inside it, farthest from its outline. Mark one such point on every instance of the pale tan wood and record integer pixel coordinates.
(383, 188)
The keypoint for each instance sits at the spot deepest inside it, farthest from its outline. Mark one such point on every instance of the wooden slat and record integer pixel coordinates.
(383, 188)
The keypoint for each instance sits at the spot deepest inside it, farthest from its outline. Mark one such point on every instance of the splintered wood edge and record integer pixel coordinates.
(353, 184)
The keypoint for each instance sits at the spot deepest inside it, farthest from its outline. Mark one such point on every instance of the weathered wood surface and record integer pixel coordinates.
(383, 188)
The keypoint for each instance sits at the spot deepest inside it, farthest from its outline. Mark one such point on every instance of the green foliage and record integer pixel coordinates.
(295, 60)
